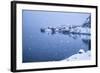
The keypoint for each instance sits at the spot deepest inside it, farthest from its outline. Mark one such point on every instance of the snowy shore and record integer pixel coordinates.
(81, 55)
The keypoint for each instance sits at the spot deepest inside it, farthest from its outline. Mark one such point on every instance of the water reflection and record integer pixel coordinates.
(85, 38)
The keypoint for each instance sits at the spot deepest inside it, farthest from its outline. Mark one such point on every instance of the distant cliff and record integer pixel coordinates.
(87, 23)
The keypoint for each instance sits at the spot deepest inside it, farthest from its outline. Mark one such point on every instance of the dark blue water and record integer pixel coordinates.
(43, 47)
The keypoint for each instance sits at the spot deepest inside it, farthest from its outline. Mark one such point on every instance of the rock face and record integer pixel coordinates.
(87, 23)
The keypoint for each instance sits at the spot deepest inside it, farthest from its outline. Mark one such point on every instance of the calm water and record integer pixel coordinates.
(48, 47)
(42, 47)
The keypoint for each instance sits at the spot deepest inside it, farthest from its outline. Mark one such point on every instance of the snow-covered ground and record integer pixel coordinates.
(81, 55)
(85, 30)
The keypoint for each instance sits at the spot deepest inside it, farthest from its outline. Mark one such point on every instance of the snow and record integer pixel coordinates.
(81, 55)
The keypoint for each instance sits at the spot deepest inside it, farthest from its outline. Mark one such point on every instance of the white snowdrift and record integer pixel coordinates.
(81, 55)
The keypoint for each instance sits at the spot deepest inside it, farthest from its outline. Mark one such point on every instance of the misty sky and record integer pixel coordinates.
(47, 18)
